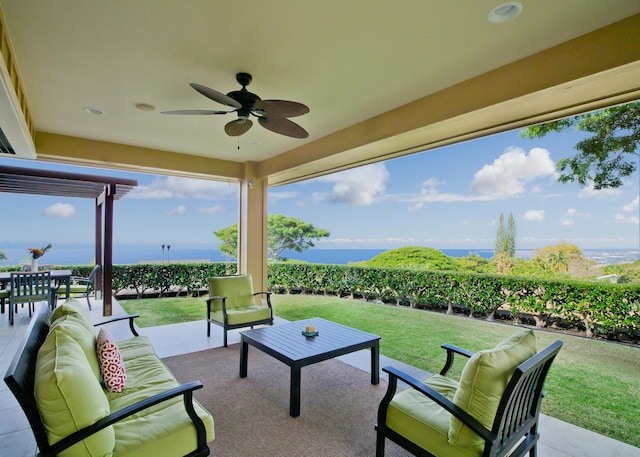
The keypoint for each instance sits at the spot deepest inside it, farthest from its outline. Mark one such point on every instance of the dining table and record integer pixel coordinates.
(59, 276)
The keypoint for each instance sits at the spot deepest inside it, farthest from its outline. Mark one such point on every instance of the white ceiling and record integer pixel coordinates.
(348, 60)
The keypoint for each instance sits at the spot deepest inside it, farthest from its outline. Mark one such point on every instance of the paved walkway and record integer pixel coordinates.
(558, 439)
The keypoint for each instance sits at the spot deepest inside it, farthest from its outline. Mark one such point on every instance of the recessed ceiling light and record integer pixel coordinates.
(91, 110)
(145, 107)
(505, 12)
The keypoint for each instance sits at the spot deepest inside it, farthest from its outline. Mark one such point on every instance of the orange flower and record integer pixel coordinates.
(36, 253)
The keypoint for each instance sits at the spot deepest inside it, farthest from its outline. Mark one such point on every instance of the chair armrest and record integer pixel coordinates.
(452, 408)
(186, 390)
(268, 294)
(223, 299)
(451, 352)
(131, 317)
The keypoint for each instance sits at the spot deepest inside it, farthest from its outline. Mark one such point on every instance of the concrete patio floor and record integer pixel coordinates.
(558, 439)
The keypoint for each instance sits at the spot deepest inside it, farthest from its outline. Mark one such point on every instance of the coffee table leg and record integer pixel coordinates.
(294, 393)
(244, 359)
(375, 363)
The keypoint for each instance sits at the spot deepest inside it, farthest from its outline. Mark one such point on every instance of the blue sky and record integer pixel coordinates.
(449, 198)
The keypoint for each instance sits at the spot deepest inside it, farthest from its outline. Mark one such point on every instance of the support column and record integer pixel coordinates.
(98, 284)
(107, 267)
(252, 228)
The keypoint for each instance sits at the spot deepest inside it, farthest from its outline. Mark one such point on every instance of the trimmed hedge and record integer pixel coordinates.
(598, 308)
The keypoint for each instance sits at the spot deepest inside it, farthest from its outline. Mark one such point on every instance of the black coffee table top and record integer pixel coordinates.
(286, 343)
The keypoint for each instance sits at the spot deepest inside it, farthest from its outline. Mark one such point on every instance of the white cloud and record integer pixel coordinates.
(186, 188)
(590, 192)
(626, 219)
(566, 221)
(633, 206)
(63, 210)
(215, 209)
(176, 211)
(508, 174)
(275, 195)
(534, 215)
(359, 186)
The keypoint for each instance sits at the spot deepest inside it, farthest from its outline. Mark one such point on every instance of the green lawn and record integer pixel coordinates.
(592, 384)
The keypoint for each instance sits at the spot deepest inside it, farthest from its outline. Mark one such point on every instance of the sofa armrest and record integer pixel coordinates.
(131, 318)
(186, 390)
(444, 402)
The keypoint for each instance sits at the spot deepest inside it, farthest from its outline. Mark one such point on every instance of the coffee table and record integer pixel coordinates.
(286, 343)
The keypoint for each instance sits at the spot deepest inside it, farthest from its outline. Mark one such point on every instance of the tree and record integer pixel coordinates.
(3, 256)
(563, 258)
(414, 257)
(282, 233)
(505, 250)
(604, 158)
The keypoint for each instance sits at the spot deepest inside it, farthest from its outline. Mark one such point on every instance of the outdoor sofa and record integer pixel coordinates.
(73, 404)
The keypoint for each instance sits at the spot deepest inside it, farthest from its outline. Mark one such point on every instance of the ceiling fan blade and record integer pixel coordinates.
(195, 111)
(283, 126)
(216, 96)
(238, 126)
(280, 108)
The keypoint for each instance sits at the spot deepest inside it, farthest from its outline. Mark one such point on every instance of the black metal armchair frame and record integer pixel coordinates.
(515, 427)
(226, 325)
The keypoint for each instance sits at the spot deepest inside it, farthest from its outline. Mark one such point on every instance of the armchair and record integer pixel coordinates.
(231, 304)
(82, 286)
(491, 411)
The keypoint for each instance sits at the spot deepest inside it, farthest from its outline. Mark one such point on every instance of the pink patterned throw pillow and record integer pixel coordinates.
(111, 364)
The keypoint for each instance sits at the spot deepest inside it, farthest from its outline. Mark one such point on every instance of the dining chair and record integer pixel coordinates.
(30, 287)
(81, 286)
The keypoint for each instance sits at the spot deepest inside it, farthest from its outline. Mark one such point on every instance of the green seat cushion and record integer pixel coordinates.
(424, 422)
(165, 431)
(483, 381)
(69, 397)
(251, 313)
(75, 289)
(166, 428)
(237, 289)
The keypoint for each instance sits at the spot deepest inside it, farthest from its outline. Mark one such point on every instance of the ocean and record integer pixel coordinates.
(126, 254)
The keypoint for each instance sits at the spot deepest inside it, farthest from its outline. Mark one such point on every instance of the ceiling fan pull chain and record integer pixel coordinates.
(238, 143)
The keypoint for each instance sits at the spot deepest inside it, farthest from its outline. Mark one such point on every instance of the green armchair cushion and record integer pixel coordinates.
(483, 381)
(235, 316)
(69, 397)
(424, 422)
(237, 289)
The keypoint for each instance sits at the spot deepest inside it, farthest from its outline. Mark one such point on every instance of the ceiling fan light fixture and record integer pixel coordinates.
(505, 12)
(92, 110)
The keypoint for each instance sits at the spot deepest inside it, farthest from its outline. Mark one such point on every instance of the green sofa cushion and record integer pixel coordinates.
(72, 307)
(69, 397)
(237, 289)
(75, 327)
(483, 381)
(147, 375)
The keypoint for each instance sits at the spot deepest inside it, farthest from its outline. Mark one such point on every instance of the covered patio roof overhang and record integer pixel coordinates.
(103, 189)
(420, 88)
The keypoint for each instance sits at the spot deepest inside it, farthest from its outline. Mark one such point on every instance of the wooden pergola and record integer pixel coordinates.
(103, 189)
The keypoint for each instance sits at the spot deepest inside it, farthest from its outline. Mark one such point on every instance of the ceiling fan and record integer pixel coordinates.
(272, 114)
